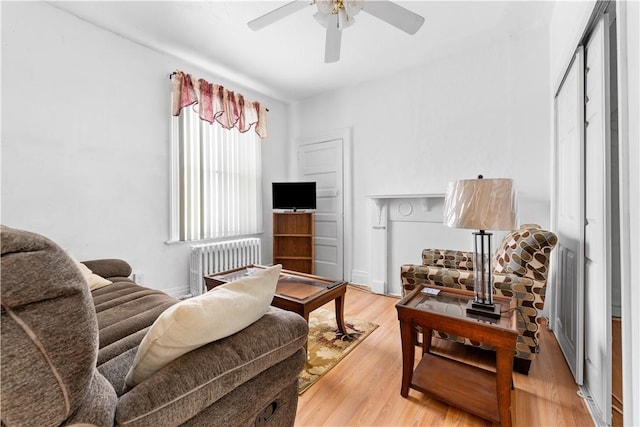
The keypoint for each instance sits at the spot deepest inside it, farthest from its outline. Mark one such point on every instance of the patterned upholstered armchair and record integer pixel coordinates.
(520, 266)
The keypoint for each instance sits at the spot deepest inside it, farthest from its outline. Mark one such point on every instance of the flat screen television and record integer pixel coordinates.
(294, 195)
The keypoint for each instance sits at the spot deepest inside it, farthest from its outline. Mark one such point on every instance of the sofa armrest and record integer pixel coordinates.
(109, 267)
(461, 260)
(198, 379)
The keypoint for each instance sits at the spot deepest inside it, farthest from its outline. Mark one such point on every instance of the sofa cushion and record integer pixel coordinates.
(125, 312)
(194, 322)
(48, 318)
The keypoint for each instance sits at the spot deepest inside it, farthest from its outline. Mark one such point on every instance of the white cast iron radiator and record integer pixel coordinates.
(210, 258)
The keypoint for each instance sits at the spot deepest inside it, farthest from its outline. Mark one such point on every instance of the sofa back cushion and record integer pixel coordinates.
(447, 258)
(526, 252)
(49, 332)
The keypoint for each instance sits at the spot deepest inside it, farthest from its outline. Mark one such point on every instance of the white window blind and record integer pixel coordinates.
(216, 180)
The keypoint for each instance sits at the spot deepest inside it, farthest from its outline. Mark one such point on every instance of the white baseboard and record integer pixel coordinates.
(177, 291)
(359, 277)
(379, 287)
(616, 311)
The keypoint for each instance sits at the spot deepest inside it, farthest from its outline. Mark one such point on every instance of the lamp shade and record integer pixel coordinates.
(481, 204)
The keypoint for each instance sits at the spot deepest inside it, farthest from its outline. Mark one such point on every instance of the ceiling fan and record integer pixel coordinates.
(336, 15)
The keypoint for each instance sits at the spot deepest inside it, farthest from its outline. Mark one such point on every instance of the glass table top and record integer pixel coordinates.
(455, 305)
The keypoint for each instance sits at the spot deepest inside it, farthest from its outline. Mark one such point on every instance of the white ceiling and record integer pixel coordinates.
(286, 59)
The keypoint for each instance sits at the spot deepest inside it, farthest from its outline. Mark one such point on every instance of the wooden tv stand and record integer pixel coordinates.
(293, 240)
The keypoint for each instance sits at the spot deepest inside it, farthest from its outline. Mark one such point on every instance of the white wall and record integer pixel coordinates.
(85, 141)
(480, 111)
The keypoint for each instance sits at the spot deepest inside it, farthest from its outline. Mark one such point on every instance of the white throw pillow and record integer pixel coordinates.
(93, 280)
(197, 321)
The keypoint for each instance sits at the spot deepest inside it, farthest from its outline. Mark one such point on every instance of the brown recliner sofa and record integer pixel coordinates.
(66, 351)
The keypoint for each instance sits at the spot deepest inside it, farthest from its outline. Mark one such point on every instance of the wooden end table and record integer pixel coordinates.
(298, 292)
(483, 393)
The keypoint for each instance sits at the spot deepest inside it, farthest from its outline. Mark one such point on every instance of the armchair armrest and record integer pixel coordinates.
(109, 267)
(446, 258)
(442, 267)
(413, 274)
(530, 296)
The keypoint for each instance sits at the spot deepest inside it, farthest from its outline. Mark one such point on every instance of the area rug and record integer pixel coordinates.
(327, 346)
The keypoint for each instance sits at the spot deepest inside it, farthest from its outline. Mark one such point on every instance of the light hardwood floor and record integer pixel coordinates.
(364, 388)
(616, 373)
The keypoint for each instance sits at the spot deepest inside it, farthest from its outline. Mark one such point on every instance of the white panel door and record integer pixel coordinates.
(568, 216)
(597, 253)
(322, 162)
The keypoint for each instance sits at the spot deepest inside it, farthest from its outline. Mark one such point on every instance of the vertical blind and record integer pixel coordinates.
(217, 184)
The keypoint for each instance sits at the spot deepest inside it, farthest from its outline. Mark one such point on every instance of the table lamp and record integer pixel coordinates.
(481, 204)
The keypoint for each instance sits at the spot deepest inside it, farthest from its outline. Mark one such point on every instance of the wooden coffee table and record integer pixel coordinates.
(298, 292)
(481, 392)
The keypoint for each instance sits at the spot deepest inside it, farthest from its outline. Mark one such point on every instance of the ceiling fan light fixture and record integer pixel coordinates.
(325, 7)
(336, 15)
(344, 19)
(321, 18)
(353, 7)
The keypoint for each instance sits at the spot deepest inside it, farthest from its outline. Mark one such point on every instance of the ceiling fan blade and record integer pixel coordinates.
(393, 14)
(277, 14)
(332, 43)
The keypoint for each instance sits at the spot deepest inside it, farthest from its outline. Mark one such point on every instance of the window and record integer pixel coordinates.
(216, 180)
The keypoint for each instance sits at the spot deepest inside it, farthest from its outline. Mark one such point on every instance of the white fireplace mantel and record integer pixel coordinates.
(427, 199)
(408, 208)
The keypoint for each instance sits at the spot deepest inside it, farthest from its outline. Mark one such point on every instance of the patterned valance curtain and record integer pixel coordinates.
(213, 102)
